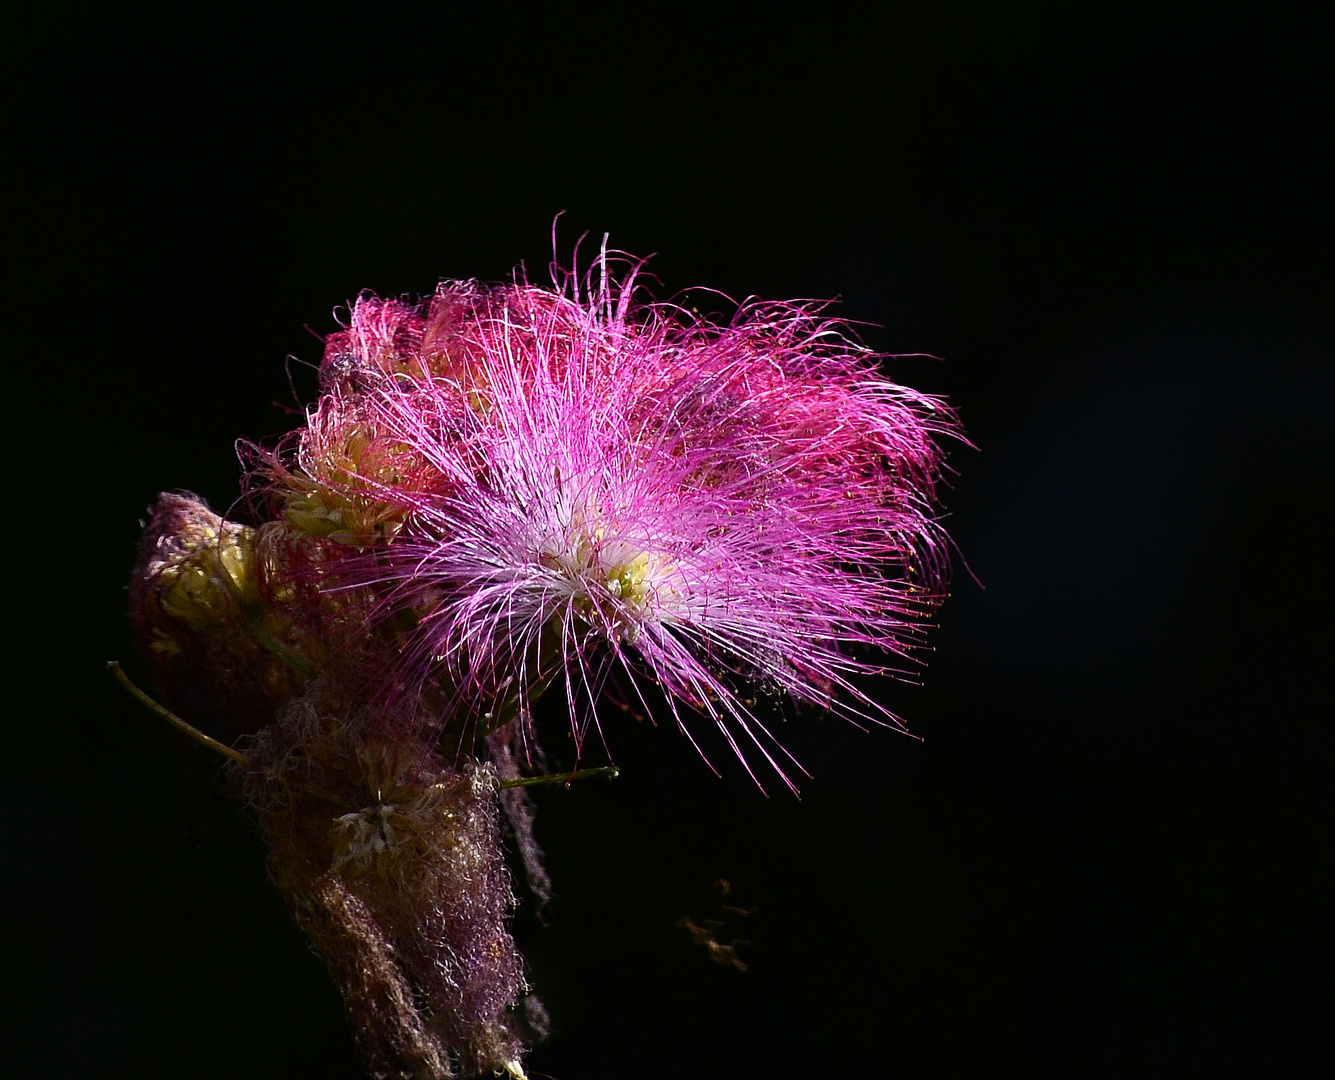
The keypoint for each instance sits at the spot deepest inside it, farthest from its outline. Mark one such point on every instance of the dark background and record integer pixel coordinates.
(1105, 858)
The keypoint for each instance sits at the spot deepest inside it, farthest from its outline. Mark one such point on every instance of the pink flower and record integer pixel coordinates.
(539, 487)
(503, 490)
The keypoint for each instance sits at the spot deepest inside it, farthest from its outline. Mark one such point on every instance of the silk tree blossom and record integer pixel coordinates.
(507, 491)
(582, 486)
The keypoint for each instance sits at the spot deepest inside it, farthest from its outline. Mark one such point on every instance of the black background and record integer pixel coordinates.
(1105, 858)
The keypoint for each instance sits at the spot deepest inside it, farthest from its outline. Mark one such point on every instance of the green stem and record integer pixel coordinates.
(609, 771)
(113, 666)
(266, 639)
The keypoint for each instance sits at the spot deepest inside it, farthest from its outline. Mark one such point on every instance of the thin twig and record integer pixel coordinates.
(114, 667)
(609, 771)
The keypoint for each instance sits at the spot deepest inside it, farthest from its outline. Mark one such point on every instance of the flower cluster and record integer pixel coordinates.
(507, 490)
(545, 488)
